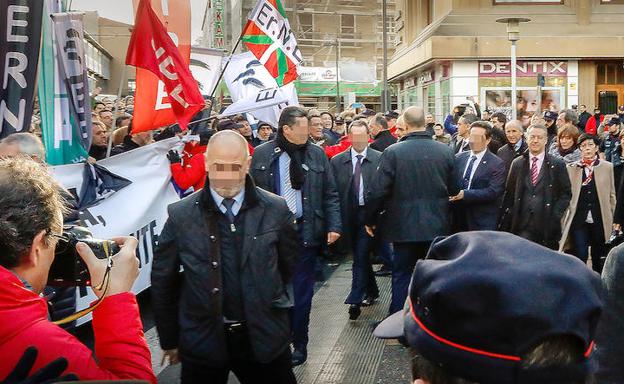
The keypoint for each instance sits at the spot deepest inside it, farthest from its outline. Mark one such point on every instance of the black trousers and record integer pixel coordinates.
(243, 365)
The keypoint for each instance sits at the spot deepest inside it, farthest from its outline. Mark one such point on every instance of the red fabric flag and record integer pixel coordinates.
(152, 49)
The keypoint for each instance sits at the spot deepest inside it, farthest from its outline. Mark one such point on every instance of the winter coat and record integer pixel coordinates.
(193, 172)
(122, 351)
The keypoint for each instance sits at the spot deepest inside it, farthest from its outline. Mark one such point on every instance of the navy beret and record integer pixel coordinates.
(550, 115)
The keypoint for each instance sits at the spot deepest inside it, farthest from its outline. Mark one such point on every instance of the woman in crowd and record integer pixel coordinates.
(566, 146)
(327, 119)
(589, 219)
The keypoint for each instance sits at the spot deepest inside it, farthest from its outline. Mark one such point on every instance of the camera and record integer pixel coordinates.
(68, 269)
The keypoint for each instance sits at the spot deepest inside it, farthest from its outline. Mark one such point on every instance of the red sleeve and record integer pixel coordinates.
(591, 126)
(120, 345)
(333, 150)
(186, 177)
(251, 149)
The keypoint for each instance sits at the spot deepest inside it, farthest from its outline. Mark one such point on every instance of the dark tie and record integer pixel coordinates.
(466, 182)
(228, 204)
(357, 176)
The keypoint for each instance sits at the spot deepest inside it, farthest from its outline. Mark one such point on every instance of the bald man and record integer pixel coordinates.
(238, 246)
(411, 186)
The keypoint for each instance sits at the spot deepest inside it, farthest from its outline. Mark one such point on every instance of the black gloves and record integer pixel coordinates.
(174, 157)
(48, 374)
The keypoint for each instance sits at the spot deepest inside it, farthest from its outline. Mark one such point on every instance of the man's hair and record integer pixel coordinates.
(28, 143)
(313, 112)
(239, 118)
(379, 120)
(121, 118)
(414, 117)
(469, 118)
(485, 125)
(569, 116)
(31, 202)
(328, 114)
(553, 351)
(99, 124)
(98, 103)
(583, 105)
(290, 115)
(538, 126)
(515, 123)
(501, 117)
(359, 123)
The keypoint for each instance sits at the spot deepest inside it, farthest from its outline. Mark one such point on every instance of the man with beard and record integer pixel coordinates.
(550, 119)
(99, 141)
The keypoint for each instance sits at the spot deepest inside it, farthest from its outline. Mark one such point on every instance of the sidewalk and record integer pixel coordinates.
(343, 351)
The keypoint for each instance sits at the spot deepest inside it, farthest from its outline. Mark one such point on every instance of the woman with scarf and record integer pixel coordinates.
(566, 146)
(589, 219)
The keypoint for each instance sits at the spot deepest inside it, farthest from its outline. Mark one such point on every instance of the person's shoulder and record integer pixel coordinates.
(555, 161)
(373, 153)
(271, 200)
(490, 156)
(186, 204)
(265, 148)
(342, 156)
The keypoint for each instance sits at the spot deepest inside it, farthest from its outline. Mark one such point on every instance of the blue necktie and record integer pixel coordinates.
(466, 182)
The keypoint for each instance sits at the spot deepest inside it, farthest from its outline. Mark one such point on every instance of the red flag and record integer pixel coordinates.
(152, 49)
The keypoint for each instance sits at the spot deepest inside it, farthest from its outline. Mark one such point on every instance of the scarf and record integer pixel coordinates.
(565, 152)
(589, 164)
(297, 154)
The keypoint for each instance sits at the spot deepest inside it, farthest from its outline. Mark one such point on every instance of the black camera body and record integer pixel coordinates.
(68, 269)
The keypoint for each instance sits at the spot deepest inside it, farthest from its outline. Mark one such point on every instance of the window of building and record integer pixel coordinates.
(611, 1)
(347, 26)
(610, 73)
(306, 25)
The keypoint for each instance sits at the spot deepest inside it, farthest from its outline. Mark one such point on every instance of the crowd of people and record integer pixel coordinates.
(497, 301)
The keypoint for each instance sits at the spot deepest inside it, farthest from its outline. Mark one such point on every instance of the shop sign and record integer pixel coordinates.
(425, 77)
(409, 82)
(318, 74)
(523, 68)
(218, 35)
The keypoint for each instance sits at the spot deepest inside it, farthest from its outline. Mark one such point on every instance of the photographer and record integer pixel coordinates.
(30, 228)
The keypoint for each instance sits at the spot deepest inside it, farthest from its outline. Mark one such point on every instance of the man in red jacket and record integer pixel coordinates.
(30, 228)
(190, 169)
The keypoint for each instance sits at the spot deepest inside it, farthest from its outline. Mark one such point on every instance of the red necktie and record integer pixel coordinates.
(534, 171)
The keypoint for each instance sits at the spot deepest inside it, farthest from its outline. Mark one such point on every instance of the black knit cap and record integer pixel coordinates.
(481, 300)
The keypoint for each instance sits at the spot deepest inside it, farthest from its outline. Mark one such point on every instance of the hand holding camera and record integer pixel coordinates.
(124, 271)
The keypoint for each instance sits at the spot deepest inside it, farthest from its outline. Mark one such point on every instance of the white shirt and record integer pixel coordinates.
(540, 161)
(479, 157)
(238, 201)
(354, 160)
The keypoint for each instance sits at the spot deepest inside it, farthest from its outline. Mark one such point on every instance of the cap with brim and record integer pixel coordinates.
(391, 327)
(614, 121)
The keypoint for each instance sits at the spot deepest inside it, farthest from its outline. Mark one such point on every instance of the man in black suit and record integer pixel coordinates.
(481, 175)
(237, 243)
(354, 170)
(537, 193)
(460, 139)
(382, 137)
(516, 144)
(411, 187)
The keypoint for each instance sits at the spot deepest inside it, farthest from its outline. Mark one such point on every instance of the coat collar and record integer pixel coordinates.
(416, 135)
(251, 196)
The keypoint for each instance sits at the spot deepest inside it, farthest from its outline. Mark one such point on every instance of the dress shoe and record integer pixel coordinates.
(299, 356)
(383, 271)
(354, 311)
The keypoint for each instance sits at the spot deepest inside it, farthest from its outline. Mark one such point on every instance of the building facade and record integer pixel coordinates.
(451, 50)
(331, 33)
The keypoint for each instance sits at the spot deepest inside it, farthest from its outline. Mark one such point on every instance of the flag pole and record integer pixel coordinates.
(115, 109)
(214, 90)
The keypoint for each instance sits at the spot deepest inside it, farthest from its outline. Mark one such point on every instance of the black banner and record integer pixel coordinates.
(20, 36)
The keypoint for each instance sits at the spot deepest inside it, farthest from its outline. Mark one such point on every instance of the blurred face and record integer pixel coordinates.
(485, 116)
(401, 128)
(227, 167)
(560, 120)
(299, 132)
(478, 141)
(107, 118)
(99, 108)
(596, 111)
(429, 118)
(99, 136)
(264, 132)
(316, 128)
(582, 108)
(536, 140)
(463, 128)
(327, 121)
(246, 130)
(340, 128)
(614, 128)
(566, 142)
(588, 149)
(359, 137)
(496, 123)
(438, 130)
(513, 134)
(142, 138)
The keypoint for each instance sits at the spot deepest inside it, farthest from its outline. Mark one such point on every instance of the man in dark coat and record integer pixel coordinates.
(408, 201)
(583, 117)
(516, 145)
(354, 170)
(294, 168)
(537, 193)
(382, 137)
(228, 310)
(460, 140)
(481, 175)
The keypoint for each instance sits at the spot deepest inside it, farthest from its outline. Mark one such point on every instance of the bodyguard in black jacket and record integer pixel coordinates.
(537, 193)
(294, 168)
(229, 308)
(516, 144)
(408, 202)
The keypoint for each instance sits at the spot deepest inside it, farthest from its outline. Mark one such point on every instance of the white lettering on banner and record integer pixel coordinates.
(274, 25)
(161, 93)
(139, 210)
(15, 64)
